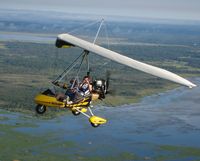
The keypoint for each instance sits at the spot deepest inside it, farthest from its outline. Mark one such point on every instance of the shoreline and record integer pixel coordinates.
(111, 101)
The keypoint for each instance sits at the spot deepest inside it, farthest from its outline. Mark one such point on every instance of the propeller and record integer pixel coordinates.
(108, 90)
(108, 73)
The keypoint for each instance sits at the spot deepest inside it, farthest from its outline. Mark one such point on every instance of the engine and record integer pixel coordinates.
(100, 87)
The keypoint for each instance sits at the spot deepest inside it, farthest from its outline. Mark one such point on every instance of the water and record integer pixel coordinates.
(169, 118)
(27, 37)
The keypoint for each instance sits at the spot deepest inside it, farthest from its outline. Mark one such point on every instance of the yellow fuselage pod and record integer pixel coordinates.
(49, 101)
(97, 120)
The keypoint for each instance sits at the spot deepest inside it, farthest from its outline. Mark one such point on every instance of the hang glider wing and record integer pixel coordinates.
(69, 40)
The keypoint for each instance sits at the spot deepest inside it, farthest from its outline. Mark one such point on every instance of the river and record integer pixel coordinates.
(169, 118)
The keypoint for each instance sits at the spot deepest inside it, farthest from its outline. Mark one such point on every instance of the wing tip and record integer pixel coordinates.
(192, 85)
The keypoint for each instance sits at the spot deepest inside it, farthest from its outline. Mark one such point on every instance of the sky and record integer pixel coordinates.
(162, 9)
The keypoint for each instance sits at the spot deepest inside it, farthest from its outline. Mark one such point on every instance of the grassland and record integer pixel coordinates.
(2, 46)
(27, 68)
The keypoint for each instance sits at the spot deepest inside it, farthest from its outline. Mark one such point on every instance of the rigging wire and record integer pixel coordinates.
(97, 34)
(103, 24)
(87, 56)
(88, 64)
(85, 53)
(54, 64)
(68, 69)
(85, 26)
(107, 37)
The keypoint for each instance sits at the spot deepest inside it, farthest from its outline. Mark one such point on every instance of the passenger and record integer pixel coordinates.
(85, 88)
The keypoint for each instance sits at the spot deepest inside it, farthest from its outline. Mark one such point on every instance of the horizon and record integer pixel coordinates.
(86, 16)
(154, 9)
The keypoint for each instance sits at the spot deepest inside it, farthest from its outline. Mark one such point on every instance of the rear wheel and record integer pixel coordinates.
(40, 109)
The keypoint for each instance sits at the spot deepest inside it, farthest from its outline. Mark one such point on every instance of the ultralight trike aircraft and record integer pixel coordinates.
(100, 87)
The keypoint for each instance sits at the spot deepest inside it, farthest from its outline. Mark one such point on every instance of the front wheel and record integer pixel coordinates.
(40, 109)
(95, 125)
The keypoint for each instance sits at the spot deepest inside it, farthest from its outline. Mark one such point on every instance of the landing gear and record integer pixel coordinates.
(95, 121)
(76, 113)
(94, 125)
(40, 109)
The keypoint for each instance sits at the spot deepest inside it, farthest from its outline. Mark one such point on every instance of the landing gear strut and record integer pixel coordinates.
(95, 121)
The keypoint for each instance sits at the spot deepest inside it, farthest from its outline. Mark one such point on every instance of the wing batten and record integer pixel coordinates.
(162, 73)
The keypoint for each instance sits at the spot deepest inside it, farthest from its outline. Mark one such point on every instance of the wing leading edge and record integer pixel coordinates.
(162, 73)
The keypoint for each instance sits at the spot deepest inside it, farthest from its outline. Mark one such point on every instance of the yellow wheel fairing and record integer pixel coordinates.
(97, 120)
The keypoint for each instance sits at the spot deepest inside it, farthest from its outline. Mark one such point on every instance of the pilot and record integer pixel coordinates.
(69, 95)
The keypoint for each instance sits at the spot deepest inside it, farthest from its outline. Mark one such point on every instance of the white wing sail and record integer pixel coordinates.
(74, 41)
